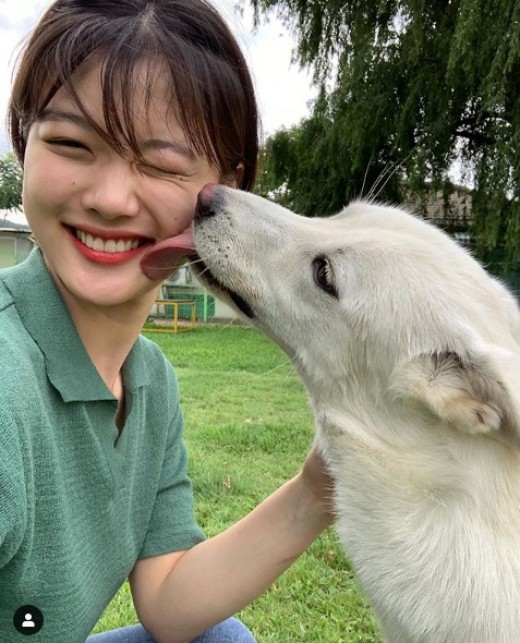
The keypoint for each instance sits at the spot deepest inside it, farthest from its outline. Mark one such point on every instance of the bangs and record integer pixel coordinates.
(183, 46)
(121, 80)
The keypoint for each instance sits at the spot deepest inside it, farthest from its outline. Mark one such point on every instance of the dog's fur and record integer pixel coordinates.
(410, 353)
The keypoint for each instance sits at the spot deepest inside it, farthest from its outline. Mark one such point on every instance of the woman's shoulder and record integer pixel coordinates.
(152, 355)
(154, 362)
(14, 338)
(6, 298)
(21, 361)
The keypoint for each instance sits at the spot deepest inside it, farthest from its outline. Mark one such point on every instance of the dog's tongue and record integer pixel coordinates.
(164, 257)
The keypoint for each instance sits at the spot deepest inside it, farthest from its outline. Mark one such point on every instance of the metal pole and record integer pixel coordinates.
(205, 314)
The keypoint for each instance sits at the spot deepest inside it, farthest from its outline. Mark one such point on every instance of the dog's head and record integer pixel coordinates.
(372, 302)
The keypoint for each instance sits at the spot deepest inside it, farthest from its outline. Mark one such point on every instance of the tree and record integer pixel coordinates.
(10, 182)
(408, 89)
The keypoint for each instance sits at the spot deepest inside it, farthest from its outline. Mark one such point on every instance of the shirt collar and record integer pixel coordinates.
(46, 318)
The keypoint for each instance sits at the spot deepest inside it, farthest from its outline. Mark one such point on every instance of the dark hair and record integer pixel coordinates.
(211, 84)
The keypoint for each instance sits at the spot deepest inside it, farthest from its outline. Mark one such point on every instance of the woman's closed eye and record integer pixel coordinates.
(67, 144)
(162, 172)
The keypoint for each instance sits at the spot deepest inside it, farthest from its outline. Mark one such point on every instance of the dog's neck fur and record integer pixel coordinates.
(410, 517)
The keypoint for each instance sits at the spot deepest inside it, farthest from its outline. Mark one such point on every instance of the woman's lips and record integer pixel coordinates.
(102, 247)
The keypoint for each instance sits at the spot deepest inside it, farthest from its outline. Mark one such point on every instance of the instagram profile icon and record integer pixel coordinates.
(28, 620)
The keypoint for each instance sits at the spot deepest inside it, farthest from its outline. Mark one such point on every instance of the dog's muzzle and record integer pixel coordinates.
(209, 203)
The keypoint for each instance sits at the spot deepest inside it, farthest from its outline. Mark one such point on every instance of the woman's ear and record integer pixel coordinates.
(234, 178)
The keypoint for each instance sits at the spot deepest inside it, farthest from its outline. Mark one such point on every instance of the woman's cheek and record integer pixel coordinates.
(37, 184)
(177, 210)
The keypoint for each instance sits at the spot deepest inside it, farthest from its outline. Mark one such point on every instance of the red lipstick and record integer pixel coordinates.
(107, 258)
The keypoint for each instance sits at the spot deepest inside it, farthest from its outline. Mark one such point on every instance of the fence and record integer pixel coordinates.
(178, 307)
(204, 302)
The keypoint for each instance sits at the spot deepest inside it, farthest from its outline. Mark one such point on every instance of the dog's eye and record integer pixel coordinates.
(323, 275)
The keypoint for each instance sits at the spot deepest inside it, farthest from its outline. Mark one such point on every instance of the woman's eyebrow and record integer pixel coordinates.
(154, 144)
(68, 117)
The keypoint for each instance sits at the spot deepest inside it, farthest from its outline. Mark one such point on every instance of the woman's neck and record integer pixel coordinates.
(109, 332)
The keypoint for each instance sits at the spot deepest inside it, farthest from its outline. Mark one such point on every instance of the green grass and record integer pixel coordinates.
(248, 429)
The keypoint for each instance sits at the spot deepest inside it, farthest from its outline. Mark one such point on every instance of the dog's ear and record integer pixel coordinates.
(471, 393)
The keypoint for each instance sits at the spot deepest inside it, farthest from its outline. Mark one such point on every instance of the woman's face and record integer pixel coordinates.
(95, 212)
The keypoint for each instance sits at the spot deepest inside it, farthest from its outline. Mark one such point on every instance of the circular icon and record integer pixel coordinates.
(28, 620)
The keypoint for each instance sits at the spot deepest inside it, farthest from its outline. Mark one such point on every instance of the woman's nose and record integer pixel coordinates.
(112, 191)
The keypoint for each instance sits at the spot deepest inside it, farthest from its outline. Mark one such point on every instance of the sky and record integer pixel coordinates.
(283, 90)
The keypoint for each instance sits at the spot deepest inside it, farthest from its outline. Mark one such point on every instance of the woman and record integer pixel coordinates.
(121, 111)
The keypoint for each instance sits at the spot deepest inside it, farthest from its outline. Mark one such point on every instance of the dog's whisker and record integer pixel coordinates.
(291, 372)
(389, 177)
(193, 262)
(228, 324)
(386, 176)
(365, 177)
(203, 272)
(373, 187)
(398, 166)
(382, 180)
(272, 370)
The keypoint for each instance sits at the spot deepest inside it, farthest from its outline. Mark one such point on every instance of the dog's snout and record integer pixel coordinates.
(206, 201)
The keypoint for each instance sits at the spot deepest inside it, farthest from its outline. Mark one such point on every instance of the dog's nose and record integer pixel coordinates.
(206, 201)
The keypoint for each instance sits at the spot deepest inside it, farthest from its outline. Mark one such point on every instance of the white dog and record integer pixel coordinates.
(410, 353)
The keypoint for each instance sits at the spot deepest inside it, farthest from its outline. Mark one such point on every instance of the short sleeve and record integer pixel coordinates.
(173, 526)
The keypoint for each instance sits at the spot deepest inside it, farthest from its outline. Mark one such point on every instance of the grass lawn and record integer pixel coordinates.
(248, 429)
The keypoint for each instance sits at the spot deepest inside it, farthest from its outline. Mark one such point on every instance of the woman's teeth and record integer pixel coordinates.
(104, 245)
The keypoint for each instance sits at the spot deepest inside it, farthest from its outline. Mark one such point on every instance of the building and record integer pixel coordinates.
(15, 237)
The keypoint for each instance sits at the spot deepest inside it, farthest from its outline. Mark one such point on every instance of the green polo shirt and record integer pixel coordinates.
(79, 502)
